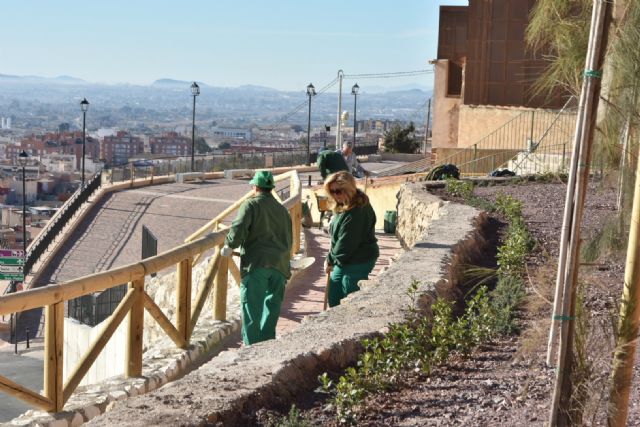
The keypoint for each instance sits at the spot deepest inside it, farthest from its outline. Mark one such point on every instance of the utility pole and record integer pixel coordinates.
(339, 131)
(426, 128)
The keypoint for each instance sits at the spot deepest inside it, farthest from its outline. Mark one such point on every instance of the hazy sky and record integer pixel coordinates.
(284, 44)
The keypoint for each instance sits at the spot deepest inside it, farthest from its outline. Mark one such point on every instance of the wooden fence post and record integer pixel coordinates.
(220, 290)
(183, 298)
(53, 358)
(133, 366)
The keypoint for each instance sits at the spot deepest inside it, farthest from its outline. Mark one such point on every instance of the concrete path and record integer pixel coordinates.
(306, 293)
(25, 368)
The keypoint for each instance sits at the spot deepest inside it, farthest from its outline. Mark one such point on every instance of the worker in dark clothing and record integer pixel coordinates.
(330, 161)
(263, 232)
(354, 247)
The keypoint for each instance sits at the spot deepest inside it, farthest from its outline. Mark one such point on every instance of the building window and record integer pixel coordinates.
(454, 79)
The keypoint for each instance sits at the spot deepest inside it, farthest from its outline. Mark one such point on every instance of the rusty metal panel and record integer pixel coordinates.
(499, 68)
(452, 34)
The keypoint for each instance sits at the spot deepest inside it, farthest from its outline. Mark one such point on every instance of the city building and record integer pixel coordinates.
(66, 143)
(117, 149)
(170, 144)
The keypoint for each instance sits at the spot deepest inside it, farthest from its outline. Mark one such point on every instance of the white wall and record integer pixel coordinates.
(78, 339)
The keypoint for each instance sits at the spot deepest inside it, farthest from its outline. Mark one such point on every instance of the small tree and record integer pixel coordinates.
(401, 139)
(202, 146)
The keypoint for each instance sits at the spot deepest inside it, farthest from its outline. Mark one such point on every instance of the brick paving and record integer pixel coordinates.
(306, 293)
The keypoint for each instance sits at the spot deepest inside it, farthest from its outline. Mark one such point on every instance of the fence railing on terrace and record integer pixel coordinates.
(184, 257)
(58, 221)
(548, 134)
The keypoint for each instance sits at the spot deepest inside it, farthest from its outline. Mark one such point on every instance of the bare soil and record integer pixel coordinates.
(506, 382)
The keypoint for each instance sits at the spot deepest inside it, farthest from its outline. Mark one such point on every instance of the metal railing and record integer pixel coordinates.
(209, 163)
(58, 221)
(547, 133)
(135, 301)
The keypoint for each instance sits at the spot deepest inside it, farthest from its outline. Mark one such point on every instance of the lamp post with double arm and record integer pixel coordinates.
(195, 91)
(311, 91)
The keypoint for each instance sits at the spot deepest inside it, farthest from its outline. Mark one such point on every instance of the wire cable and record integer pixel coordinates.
(388, 75)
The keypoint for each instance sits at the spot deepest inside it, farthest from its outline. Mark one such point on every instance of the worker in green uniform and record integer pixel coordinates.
(354, 246)
(262, 230)
(330, 161)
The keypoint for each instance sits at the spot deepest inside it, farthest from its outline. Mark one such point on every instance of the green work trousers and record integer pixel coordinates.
(261, 294)
(344, 280)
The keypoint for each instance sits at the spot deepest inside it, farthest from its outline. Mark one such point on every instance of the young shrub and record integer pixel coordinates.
(463, 189)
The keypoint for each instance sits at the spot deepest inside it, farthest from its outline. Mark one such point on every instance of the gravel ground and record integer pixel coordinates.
(506, 382)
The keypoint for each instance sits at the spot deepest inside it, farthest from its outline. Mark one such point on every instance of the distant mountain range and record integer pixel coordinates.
(169, 100)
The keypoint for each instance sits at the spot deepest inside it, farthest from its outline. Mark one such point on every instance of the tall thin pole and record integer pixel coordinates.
(339, 131)
(561, 407)
(355, 121)
(193, 133)
(426, 127)
(24, 213)
(629, 322)
(84, 135)
(309, 132)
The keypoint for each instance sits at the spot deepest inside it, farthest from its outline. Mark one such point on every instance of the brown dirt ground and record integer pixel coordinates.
(506, 382)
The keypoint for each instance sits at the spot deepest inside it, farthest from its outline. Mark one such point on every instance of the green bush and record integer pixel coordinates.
(422, 342)
(458, 188)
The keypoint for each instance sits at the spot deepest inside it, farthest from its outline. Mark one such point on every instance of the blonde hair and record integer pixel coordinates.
(347, 183)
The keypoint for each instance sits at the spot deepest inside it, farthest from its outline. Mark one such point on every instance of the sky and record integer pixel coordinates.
(282, 44)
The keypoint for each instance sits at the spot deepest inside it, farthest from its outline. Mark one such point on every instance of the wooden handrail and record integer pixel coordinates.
(53, 297)
(97, 282)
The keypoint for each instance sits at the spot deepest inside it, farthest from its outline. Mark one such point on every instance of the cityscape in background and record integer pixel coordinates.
(147, 125)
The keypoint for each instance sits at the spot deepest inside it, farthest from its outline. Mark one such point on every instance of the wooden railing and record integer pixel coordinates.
(53, 297)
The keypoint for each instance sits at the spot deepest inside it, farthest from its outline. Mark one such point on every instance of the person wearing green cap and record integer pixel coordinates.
(262, 230)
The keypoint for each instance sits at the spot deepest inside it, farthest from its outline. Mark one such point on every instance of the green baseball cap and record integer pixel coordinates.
(263, 179)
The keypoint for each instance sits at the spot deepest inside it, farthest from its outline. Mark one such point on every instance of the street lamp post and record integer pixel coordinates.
(311, 91)
(195, 91)
(354, 92)
(84, 106)
(22, 160)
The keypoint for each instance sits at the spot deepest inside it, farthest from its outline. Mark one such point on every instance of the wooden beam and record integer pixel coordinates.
(204, 291)
(235, 272)
(98, 343)
(53, 354)
(220, 290)
(47, 295)
(20, 392)
(163, 321)
(183, 298)
(133, 364)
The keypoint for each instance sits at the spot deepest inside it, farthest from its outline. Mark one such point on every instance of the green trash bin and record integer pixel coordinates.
(390, 220)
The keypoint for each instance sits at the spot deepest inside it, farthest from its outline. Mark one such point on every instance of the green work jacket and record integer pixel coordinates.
(353, 237)
(330, 162)
(262, 230)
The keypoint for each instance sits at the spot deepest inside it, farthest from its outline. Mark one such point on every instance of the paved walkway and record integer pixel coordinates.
(306, 293)
(111, 234)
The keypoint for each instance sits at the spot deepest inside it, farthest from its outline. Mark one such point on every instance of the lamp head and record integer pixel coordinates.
(195, 89)
(22, 158)
(354, 89)
(84, 105)
(311, 91)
